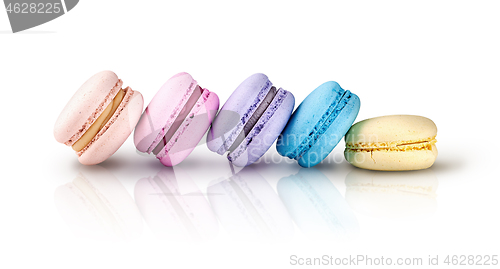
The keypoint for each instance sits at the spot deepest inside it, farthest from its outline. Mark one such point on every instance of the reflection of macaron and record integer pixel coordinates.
(174, 207)
(95, 204)
(249, 208)
(176, 119)
(316, 205)
(250, 120)
(392, 143)
(98, 118)
(392, 194)
(318, 124)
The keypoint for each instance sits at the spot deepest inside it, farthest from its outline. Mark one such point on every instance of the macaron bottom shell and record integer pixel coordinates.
(387, 160)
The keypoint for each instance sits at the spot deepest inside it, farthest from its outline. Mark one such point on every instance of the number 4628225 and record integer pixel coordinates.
(471, 260)
(27, 8)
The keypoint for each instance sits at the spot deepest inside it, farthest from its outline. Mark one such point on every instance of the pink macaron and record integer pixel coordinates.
(176, 119)
(98, 118)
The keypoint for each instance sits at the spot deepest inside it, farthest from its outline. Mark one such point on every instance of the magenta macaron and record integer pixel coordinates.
(98, 118)
(176, 119)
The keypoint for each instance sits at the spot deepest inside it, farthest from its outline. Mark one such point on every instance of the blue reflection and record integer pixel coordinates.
(316, 205)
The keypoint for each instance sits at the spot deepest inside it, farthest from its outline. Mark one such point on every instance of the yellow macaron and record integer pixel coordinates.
(392, 143)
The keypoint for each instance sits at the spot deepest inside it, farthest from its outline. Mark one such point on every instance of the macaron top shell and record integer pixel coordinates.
(239, 107)
(85, 106)
(394, 128)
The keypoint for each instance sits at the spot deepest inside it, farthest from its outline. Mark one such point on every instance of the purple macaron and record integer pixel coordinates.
(250, 120)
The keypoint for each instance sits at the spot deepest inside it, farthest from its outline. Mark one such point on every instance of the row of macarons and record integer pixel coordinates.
(102, 114)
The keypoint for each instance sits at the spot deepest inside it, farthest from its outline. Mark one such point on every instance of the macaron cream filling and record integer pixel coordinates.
(99, 123)
(235, 133)
(423, 144)
(191, 102)
(322, 125)
(257, 128)
(257, 114)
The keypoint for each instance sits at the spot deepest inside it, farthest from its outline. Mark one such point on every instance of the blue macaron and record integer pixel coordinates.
(318, 124)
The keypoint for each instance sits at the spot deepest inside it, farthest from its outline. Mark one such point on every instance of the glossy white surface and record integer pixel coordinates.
(438, 60)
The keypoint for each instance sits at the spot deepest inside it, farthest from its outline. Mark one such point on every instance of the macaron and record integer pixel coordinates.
(392, 143)
(98, 118)
(176, 119)
(318, 124)
(250, 120)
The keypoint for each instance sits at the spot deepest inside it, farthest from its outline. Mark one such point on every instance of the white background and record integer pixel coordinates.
(438, 59)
